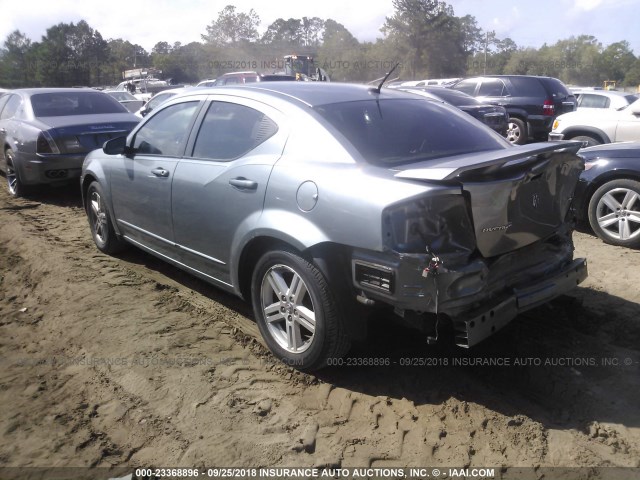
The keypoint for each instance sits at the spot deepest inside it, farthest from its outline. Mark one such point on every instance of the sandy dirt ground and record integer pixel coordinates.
(126, 361)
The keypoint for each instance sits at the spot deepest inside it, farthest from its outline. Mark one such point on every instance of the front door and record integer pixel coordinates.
(141, 183)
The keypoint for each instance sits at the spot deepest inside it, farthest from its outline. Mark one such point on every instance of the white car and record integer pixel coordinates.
(599, 99)
(158, 99)
(599, 125)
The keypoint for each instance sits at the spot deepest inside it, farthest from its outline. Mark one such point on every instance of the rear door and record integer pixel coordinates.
(141, 183)
(219, 187)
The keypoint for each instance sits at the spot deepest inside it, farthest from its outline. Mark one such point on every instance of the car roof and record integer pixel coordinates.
(311, 93)
(606, 93)
(34, 91)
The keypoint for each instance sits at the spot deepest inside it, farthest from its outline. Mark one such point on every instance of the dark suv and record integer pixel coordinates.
(532, 102)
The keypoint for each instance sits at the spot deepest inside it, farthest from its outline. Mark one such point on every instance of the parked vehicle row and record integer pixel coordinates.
(320, 201)
(532, 102)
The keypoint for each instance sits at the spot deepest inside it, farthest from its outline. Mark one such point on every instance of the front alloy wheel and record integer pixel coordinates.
(102, 231)
(614, 213)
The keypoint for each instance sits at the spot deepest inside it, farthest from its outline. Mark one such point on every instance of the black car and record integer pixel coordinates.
(45, 133)
(608, 192)
(493, 116)
(532, 102)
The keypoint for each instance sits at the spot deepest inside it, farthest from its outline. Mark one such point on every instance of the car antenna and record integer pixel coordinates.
(377, 90)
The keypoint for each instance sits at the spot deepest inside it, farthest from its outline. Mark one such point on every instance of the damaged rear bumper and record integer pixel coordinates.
(484, 322)
(479, 298)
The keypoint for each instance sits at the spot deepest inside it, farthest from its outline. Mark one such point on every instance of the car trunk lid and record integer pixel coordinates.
(77, 135)
(517, 196)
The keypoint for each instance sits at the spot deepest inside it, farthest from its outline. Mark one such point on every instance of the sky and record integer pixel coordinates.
(146, 22)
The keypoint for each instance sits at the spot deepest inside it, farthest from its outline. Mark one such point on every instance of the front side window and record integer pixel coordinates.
(400, 132)
(230, 130)
(165, 133)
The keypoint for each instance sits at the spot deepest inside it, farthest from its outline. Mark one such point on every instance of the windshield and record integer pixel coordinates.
(62, 104)
(401, 131)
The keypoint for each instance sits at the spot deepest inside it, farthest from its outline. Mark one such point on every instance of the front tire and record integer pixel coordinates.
(296, 311)
(614, 213)
(102, 231)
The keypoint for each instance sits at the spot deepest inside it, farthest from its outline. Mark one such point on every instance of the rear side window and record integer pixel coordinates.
(527, 87)
(11, 107)
(399, 132)
(588, 100)
(467, 86)
(230, 130)
(492, 87)
(556, 87)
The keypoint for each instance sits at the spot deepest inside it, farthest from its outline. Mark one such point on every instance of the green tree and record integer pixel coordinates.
(232, 27)
(72, 54)
(428, 37)
(284, 33)
(17, 68)
(616, 60)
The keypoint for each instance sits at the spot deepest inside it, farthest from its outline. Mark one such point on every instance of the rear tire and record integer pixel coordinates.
(296, 311)
(614, 213)
(517, 131)
(590, 141)
(102, 231)
(14, 184)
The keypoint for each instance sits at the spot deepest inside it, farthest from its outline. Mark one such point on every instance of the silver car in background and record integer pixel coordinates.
(45, 133)
(320, 202)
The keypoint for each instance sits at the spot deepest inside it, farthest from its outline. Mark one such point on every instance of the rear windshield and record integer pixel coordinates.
(556, 87)
(527, 87)
(62, 104)
(402, 131)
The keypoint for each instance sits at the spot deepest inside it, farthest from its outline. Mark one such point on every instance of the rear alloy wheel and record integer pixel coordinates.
(15, 186)
(614, 213)
(102, 231)
(517, 132)
(590, 141)
(296, 311)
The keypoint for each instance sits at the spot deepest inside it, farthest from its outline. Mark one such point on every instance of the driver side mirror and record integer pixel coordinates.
(117, 146)
(635, 107)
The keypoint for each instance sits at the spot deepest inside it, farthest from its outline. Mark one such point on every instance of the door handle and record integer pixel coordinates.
(243, 183)
(160, 172)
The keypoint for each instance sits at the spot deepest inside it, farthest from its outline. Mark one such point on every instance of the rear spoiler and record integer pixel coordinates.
(451, 168)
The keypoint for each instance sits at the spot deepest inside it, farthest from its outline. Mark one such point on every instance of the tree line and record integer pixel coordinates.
(425, 37)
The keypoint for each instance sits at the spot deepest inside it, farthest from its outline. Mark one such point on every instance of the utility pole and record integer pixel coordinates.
(486, 43)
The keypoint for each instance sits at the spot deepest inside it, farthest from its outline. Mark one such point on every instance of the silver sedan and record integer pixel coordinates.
(321, 202)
